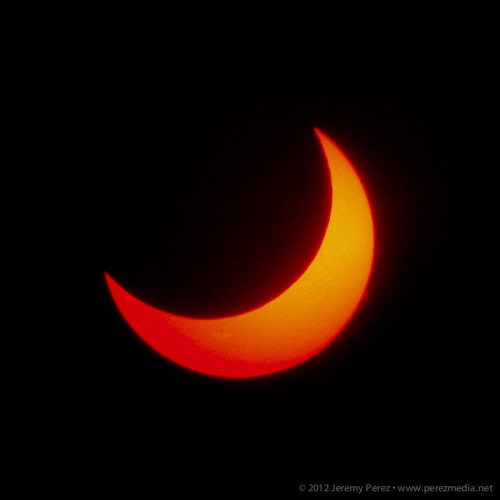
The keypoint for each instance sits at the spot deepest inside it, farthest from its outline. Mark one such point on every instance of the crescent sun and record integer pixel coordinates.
(290, 328)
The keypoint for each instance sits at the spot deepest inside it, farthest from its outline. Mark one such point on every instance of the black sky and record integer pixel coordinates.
(189, 170)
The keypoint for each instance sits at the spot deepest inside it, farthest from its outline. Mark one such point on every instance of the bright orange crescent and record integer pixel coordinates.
(295, 325)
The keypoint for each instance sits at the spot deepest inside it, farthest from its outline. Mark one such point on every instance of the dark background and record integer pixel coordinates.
(187, 167)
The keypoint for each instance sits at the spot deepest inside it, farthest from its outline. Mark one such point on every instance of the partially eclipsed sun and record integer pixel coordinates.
(290, 328)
